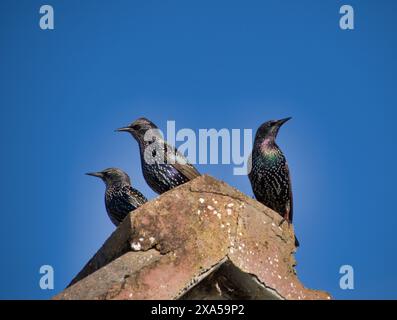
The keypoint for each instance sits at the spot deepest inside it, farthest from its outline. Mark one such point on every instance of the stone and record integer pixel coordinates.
(201, 240)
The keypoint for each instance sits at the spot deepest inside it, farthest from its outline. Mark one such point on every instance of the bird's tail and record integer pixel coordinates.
(297, 244)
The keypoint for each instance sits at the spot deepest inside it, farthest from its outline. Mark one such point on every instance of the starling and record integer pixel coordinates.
(120, 197)
(269, 174)
(163, 167)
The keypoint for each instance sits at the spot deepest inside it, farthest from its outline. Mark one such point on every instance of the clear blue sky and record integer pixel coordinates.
(204, 64)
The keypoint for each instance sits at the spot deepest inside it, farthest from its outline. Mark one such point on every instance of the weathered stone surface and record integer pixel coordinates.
(203, 239)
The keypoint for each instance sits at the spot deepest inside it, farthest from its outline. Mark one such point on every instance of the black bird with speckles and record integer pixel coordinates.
(120, 197)
(269, 175)
(163, 167)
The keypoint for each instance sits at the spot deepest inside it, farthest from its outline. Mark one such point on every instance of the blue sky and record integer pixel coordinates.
(205, 64)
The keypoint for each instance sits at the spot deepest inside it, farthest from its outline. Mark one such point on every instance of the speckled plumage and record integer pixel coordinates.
(120, 197)
(269, 175)
(167, 168)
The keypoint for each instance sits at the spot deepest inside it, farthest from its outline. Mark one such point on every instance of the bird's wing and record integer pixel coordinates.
(135, 198)
(180, 163)
(188, 170)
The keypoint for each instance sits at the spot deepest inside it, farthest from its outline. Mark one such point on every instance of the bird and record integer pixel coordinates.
(120, 197)
(163, 167)
(269, 173)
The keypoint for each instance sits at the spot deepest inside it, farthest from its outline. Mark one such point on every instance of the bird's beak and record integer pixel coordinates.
(282, 121)
(124, 129)
(95, 174)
